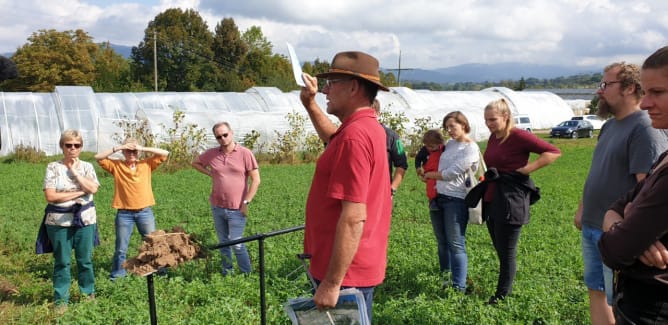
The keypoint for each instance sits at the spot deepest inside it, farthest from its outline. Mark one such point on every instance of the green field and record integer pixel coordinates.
(548, 288)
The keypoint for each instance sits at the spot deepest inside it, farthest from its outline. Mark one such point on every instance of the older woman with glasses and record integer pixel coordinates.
(133, 194)
(70, 218)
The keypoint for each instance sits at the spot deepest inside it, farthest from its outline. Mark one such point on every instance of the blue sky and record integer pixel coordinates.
(430, 33)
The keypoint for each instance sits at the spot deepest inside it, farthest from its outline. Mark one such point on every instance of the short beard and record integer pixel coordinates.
(604, 109)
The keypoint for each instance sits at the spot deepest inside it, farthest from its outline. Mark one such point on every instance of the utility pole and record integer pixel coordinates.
(155, 59)
(399, 69)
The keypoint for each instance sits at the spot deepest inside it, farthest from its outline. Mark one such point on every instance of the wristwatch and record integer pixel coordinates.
(246, 202)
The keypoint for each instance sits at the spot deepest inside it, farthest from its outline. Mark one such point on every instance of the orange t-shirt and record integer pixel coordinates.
(132, 187)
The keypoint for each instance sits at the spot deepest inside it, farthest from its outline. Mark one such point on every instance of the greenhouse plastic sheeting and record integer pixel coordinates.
(37, 119)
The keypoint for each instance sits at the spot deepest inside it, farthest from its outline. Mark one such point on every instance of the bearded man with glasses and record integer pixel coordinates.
(627, 146)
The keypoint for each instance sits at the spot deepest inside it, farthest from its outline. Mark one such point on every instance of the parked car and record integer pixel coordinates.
(573, 129)
(596, 121)
(523, 122)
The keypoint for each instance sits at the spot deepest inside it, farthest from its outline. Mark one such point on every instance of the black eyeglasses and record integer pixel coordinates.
(73, 145)
(330, 82)
(605, 84)
(134, 152)
(224, 135)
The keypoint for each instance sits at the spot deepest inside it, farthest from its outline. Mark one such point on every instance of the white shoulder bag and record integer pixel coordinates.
(472, 179)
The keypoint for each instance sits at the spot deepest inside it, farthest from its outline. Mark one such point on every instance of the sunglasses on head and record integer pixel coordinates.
(72, 145)
(224, 135)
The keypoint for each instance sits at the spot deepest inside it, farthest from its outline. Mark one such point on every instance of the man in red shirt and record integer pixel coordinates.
(349, 206)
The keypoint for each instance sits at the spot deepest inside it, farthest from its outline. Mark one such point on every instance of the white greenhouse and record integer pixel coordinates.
(37, 119)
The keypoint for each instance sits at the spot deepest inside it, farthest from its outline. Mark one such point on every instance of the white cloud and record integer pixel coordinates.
(430, 34)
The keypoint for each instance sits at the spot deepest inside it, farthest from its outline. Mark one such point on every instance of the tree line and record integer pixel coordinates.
(188, 57)
(587, 80)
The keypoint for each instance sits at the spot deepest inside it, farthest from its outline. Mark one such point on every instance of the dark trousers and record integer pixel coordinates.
(505, 238)
(640, 303)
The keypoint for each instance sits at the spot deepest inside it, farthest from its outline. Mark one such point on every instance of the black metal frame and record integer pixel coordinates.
(260, 238)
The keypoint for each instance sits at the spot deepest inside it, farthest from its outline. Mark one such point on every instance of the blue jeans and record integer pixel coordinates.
(449, 223)
(64, 239)
(597, 276)
(230, 225)
(125, 222)
(367, 292)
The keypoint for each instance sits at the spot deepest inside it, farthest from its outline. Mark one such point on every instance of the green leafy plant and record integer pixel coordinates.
(395, 121)
(137, 129)
(28, 154)
(183, 140)
(420, 126)
(313, 147)
(289, 144)
(250, 140)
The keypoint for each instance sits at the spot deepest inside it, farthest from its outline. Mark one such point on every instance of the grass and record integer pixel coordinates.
(548, 288)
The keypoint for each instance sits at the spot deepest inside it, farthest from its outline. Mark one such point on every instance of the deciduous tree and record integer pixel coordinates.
(112, 71)
(53, 58)
(229, 51)
(263, 67)
(184, 52)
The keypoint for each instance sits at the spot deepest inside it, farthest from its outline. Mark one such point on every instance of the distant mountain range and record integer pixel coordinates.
(472, 72)
(475, 72)
(123, 50)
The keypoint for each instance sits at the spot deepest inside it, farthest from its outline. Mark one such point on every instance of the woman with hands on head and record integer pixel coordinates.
(70, 218)
(133, 194)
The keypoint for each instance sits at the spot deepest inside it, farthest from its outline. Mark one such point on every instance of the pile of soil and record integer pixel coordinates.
(7, 288)
(162, 249)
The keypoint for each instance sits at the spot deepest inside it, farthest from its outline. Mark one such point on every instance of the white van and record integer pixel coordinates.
(523, 121)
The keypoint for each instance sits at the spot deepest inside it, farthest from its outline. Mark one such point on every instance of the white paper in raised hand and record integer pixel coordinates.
(296, 67)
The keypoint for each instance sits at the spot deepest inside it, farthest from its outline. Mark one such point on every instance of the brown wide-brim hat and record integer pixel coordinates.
(358, 64)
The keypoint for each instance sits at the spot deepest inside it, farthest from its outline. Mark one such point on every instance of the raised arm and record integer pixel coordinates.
(153, 150)
(322, 124)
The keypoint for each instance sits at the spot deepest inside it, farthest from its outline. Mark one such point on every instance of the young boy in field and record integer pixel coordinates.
(432, 149)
